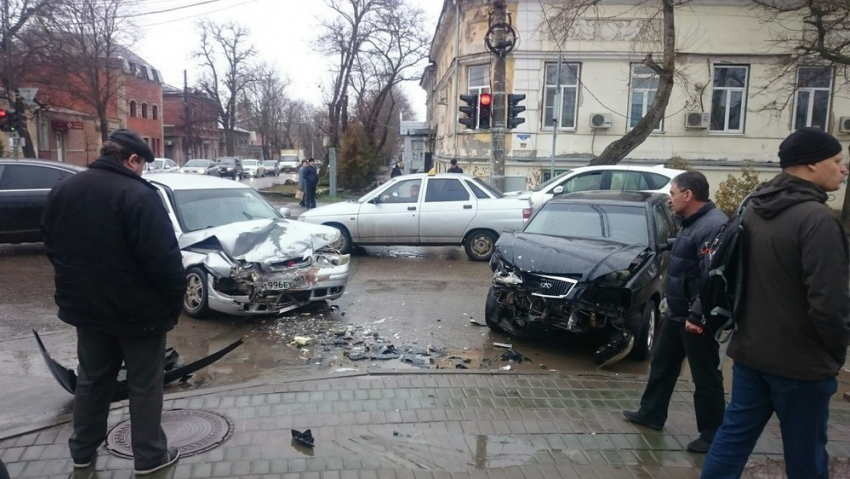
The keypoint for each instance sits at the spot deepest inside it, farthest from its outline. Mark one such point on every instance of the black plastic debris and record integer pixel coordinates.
(513, 356)
(305, 438)
(416, 361)
(460, 366)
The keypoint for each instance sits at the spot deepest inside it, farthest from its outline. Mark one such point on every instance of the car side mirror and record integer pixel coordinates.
(285, 211)
(376, 200)
(558, 190)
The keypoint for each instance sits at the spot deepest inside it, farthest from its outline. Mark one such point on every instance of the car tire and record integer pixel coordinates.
(344, 245)
(196, 299)
(645, 329)
(480, 245)
(492, 311)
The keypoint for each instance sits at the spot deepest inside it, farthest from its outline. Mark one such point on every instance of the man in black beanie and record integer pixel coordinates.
(794, 319)
(120, 282)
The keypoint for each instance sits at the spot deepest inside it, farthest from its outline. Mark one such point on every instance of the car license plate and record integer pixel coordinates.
(282, 284)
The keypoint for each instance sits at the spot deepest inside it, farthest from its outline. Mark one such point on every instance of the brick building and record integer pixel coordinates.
(199, 136)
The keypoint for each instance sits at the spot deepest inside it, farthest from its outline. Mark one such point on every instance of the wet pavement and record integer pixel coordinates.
(433, 424)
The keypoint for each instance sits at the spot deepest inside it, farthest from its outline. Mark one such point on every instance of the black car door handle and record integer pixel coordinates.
(467, 207)
(411, 208)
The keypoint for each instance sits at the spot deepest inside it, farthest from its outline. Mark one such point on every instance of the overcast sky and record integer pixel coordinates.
(282, 31)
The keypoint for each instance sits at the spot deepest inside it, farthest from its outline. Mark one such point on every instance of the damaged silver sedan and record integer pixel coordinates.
(242, 257)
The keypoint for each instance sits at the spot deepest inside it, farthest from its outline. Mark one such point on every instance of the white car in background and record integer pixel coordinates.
(253, 168)
(655, 179)
(167, 165)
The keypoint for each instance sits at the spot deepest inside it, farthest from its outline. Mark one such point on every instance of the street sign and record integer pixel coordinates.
(28, 94)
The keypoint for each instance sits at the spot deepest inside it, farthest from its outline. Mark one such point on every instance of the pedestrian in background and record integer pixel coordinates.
(120, 281)
(311, 181)
(396, 171)
(301, 169)
(681, 334)
(794, 318)
(454, 168)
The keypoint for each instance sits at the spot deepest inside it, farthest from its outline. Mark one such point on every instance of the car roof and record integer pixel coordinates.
(661, 169)
(55, 164)
(609, 196)
(177, 181)
(438, 175)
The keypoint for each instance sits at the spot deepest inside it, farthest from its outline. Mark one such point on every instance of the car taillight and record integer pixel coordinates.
(526, 213)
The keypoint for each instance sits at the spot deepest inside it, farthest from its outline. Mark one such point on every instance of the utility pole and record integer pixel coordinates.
(187, 132)
(497, 130)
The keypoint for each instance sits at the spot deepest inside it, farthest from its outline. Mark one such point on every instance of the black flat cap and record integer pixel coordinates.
(133, 142)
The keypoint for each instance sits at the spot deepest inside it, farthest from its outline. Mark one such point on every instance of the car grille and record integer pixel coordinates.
(547, 286)
(290, 264)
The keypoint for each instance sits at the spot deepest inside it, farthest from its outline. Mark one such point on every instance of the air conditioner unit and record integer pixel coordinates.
(844, 124)
(600, 120)
(697, 120)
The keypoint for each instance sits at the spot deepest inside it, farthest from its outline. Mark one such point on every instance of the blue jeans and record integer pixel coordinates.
(803, 410)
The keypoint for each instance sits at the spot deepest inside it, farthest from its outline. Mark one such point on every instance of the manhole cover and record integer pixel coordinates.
(189, 430)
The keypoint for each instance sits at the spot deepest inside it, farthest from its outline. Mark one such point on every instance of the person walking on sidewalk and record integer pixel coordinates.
(301, 182)
(794, 318)
(396, 171)
(454, 168)
(311, 180)
(120, 281)
(681, 335)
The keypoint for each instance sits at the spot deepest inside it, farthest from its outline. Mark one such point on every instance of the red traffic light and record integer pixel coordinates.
(2, 113)
(485, 99)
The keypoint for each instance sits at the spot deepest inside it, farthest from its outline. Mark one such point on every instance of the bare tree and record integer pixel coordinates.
(80, 48)
(265, 101)
(657, 34)
(225, 59)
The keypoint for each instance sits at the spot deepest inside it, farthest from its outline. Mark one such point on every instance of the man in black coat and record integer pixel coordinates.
(120, 282)
(681, 335)
(454, 168)
(311, 180)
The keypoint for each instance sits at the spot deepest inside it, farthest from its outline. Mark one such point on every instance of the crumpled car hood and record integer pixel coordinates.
(534, 253)
(267, 239)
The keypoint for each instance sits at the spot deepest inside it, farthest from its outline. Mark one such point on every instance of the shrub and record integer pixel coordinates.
(356, 161)
(678, 163)
(733, 190)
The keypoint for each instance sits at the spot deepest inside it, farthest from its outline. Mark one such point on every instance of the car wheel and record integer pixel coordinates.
(343, 244)
(492, 311)
(645, 330)
(195, 302)
(480, 245)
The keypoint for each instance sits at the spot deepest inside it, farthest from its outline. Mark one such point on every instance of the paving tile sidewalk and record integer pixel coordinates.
(434, 425)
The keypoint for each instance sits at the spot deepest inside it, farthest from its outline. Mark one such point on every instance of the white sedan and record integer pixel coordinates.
(242, 257)
(253, 168)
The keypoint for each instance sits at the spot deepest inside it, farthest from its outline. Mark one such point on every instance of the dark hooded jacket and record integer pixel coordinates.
(118, 267)
(686, 267)
(794, 321)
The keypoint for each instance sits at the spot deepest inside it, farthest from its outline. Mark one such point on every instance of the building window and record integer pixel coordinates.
(567, 101)
(155, 112)
(132, 108)
(478, 80)
(644, 84)
(729, 98)
(144, 110)
(811, 107)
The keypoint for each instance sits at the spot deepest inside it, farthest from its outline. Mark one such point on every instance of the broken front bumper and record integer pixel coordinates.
(322, 283)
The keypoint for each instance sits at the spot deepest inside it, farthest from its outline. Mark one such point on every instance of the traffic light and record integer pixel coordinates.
(470, 110)
(4, 120)
(514, 109)
(484, 101)
(13, 120)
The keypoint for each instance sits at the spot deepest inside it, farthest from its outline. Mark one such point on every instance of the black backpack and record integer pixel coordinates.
(720, 293)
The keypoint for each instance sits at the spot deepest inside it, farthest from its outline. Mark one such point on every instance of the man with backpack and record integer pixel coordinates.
(681, 335)
(793, 320)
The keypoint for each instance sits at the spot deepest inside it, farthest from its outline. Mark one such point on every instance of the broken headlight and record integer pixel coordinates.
(327, 259)
(245, 270)
(616, 277)
(504, 272)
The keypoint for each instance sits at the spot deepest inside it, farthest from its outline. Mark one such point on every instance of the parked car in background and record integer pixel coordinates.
(271, 167)
(655, 179)
(422, 210)
(241, 256)
(230, 166)
(152, 167)
(24, 185)
(167, 165)
(289, 162)
(201, 167)
(251, 167)
(586, 262)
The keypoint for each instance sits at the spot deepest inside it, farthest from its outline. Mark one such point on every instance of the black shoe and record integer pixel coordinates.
(82, 463)
(173, 455)
(699, 445)
(635, 417)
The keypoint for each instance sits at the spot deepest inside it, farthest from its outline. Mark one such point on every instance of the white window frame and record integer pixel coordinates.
(644, 92)
(572, 90)
(811, 90)
(729, 91)
(478, 89)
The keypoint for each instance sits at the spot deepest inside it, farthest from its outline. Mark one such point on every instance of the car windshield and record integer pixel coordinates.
(160, 163)
(269, 163)
(226, 161)
(197, 163)
(249, 162)
(554, 179)
(200, 209)
(623, 224)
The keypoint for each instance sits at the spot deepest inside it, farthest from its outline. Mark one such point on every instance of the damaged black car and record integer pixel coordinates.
(586, 262)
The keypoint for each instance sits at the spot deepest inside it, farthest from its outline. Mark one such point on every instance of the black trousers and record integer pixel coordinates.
(309, 195)
(674, 345)
(100, 357)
